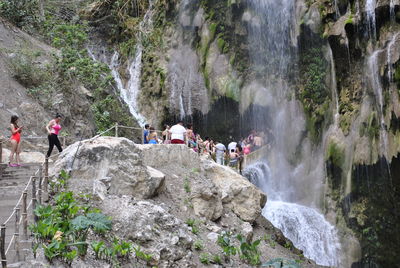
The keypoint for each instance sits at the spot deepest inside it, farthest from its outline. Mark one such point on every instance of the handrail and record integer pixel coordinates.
(32, 181)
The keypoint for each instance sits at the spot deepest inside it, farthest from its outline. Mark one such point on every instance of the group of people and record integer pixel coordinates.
(178, 134)
(53, 129)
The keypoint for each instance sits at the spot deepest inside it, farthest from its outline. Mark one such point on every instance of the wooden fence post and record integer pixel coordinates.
(40, 184)
(116, 130)
(16, 231)
(3, 246)
(24, 215)
(46, 175)
(34, 198)
(1, 151)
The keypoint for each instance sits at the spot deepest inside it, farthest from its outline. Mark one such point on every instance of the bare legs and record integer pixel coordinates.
(17, 153)
(14, 147)
(15, 150)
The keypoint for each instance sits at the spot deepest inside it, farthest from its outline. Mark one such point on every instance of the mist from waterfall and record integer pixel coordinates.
(293, 174)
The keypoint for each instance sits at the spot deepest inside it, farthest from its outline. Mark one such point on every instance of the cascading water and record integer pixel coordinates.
(304, 226)
(129, 92)
(335, 96)
(376, 86)
(371, 20)
(294, 176)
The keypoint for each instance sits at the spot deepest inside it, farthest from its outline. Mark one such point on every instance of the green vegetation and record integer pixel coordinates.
(23, 13)
(371, 127)
(314, 93)
(335, 154)
(193, 224)
(186, 185)
(62, 228)
(205, 258)
(198, 245)
(249, 251)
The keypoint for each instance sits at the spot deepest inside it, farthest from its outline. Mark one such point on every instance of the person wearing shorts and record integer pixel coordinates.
(178, 133)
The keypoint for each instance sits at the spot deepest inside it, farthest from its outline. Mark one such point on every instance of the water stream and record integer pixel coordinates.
(306, 227)
(376, 86)
(294, 175)
(371, 20)
(129, 90)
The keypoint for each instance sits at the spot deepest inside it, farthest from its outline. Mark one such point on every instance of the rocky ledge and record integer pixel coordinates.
(153, 192)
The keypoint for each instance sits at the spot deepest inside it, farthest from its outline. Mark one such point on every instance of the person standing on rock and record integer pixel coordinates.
(152, 136)
(53, 129)
(146, 133)
(15, 142)
(178, 133)
(220, 150)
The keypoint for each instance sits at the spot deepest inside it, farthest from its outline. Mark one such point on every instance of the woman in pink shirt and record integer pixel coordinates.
(53, 128)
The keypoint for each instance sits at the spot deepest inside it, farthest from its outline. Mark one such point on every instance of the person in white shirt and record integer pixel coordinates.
(178, 133)
(220, 150)
(231, 146)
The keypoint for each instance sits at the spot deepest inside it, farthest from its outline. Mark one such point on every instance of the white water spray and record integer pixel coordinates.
(371, 20)
(304, 226)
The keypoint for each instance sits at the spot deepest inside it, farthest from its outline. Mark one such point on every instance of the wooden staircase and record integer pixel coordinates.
(13, 181)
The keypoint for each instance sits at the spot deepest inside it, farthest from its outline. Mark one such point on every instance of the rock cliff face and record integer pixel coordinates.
(151, 191)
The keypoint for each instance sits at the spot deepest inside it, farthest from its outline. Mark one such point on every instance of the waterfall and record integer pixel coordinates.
(392, 11)
(294, 176)
(377, 88)
(337, 11)
(129, 92)
(304, 226)
(389, 56)
(335, 96)
(371, 20)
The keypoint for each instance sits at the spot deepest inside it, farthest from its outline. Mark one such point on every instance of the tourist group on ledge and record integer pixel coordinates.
(178, 134)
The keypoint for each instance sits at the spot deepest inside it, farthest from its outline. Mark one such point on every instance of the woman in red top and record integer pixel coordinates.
(15, 142)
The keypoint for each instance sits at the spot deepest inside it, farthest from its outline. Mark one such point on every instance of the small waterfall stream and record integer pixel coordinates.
(371, 20)
(130, 90)
(376, 86)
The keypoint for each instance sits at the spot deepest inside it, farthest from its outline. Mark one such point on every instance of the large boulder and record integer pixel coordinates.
(159, 232)
(108, 165)
(245, 199)
(234, 190)
(206, 200)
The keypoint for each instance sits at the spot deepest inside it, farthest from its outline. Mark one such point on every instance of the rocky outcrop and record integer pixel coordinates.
(151, 226)
(235, 191)
(109, 166)
(239, 194)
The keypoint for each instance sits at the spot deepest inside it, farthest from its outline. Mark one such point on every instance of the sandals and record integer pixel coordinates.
(13, 165)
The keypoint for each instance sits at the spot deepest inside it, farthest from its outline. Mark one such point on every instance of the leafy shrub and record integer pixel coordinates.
(225, 242)
(249, 251)
(205, 258)
(198, 245)
(25, 70)
(23, 13)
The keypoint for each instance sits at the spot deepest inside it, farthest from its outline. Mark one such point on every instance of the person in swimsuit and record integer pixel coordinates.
(53, 128)
(152, 136)
(15, 142)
